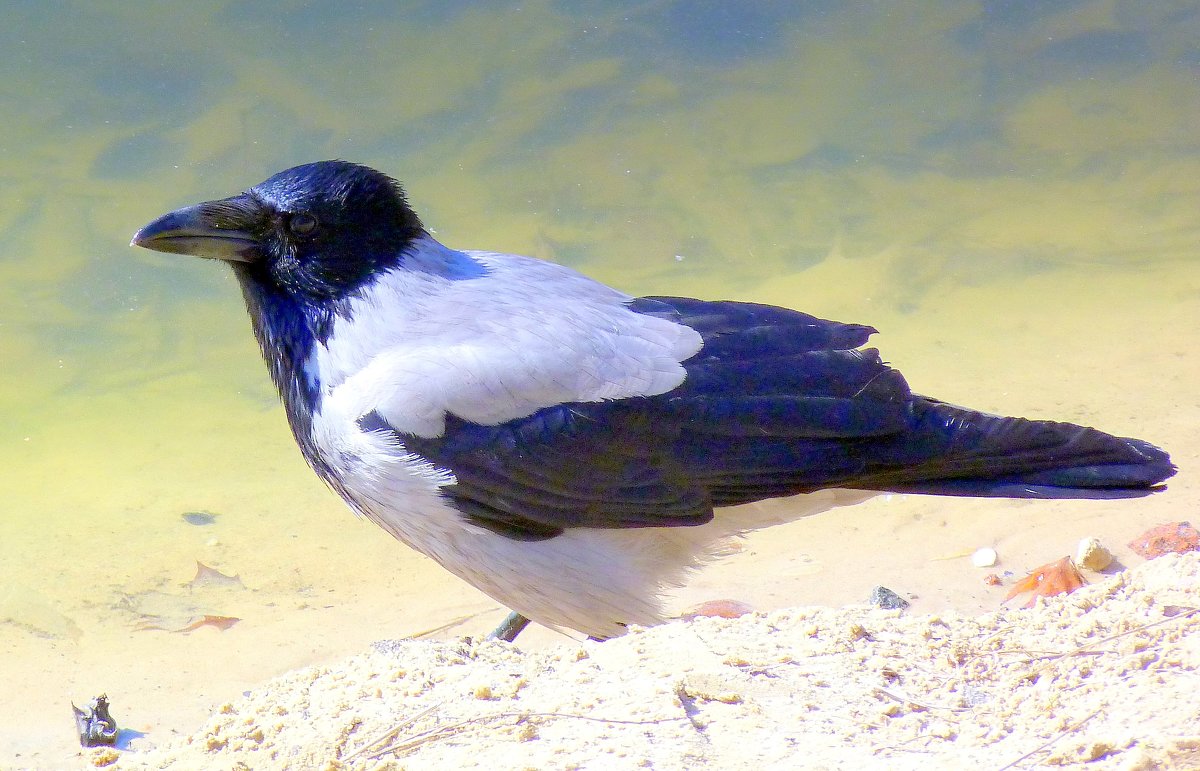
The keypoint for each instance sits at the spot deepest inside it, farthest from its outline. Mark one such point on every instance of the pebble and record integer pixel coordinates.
(199, 518)
(885, 598)
(984, 558)
(1092, 554)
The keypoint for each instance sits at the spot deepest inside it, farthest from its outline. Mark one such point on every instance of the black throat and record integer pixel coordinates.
(288, 328)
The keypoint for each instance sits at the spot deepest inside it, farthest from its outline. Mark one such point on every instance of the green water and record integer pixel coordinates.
(869, 162)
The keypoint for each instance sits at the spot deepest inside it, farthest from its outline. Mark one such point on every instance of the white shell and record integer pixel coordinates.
(1092, 554)
(984, 558)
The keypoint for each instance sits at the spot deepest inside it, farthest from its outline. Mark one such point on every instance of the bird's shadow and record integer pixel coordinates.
(125, 736)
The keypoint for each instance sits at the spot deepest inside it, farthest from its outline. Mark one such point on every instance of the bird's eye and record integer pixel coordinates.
(302, 224)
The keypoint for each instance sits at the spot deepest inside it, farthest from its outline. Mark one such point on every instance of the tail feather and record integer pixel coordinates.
(955, 451)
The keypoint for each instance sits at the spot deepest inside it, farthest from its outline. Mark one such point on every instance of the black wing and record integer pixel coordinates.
(775, 403)
(764, 375)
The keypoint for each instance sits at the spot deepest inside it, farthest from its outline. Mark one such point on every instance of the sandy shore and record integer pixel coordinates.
(1106, 677)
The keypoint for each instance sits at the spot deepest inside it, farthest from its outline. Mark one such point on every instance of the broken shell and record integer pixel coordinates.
(1177, 537)
(95, 725)
(1092, 554)
(719, 609)
(984, 558)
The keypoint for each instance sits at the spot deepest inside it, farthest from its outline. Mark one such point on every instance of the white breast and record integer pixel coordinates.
(491, 338)
(523, 335)
(595, 581)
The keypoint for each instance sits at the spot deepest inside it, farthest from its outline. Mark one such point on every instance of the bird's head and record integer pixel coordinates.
(319, 230)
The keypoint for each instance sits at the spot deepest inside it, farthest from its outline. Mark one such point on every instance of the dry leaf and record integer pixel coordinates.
(208, 576)
(220, 622)
(1053, 578)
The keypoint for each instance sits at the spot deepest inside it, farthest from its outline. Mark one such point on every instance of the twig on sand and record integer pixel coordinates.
(449, 624)
(1083, 649)
(1043, 747)
(391, 733)
(388, 739)
(1086, 648)
(902, 699)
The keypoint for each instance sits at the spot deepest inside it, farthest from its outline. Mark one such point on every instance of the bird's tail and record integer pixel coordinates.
(951, 450)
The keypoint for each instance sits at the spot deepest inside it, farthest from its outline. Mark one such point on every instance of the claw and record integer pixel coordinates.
(510, 627)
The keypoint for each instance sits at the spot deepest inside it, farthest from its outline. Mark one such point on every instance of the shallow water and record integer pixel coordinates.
(1010, 192)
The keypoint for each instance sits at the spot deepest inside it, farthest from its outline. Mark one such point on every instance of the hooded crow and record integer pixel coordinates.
(569, 449)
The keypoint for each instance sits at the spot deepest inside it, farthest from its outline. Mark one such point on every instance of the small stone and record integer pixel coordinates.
(984, 558)
(973, 696)
(1093, 555)
(883, 597)
(199, 518)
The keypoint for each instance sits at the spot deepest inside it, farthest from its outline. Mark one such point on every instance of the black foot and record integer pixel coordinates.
(510, 627)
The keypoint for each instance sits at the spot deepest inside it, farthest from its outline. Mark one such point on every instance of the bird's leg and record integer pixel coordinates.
(510, 627)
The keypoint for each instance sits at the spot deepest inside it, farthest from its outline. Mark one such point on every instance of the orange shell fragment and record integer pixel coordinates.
(719, 609)
(1053, 578)
(1171, 538)
(220, 622)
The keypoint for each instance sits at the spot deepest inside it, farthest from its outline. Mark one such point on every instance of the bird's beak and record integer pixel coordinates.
(219, 230)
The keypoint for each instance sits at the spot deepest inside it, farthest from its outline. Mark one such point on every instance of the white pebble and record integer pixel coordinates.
(1092, 554)
(984, 558)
